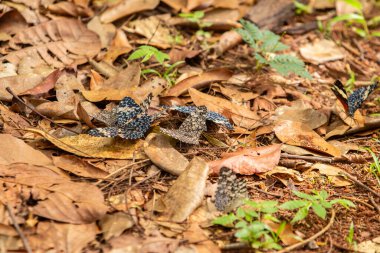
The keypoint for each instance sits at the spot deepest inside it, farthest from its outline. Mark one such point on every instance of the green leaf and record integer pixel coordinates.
(240, 213)
(319, 210)
(324, 195)
(361, 32)
(300, 215)
(374, 21)
(241, 224)
(146, 52)
(286, 64)
(347, 17)
(355, 3)
(261, 59)
(344, 202)
(254, 32)
(226, 220)
(271, 42)
(350, 236)
(293, 204)
(150, 71)
(269, 206)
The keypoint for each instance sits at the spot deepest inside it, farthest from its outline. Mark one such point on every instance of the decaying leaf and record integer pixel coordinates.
(88, 146)
(113, 225)
(283, 174)
(199, 81)
(332, 172)
(68, 40)
(299, 134)
(249, 161)
(186, 194)
(159, 150)
(46, 85)
(321, 51)
(58, 197)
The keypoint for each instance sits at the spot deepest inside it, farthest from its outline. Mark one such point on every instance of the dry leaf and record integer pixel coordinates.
(241, 115)
(58, 197)
(119, 45)
(89, 146)
(106, 32)
(199, 239)
(287, 236)
(66, 8)
(78, 167)
(113, 225)
(62, 237)
(333, 173)
(283, 174)
(199, 81)
(249, 161)
(10, 153)
(227, 41)
(186, 194)
(47, 84)
(12, 22)
(159, 150)
(321, 51)
(299, 134)
(127, 7)
(68, 40)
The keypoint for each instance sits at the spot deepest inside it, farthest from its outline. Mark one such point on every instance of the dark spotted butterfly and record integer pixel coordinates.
(355, 100)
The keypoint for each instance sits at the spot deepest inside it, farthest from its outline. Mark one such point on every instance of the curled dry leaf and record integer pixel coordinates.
(321, 51)
(58, 197)
(227, 41)
(337, 127)
(241, 115)
(199, 81)
(46, 85)
(68, 40)
(287, 236)
(78, 167)
(249, 161)
(88, 146)
(159, 150)
(119, 45)
(106, 32)
(182, 54)
(11, 22)
(125, 8)
(65, 8)
(299, 134)
(49, 235)
(186, 194)
(283, 174)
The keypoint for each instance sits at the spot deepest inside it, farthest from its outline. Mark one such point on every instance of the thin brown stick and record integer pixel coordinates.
(309, 158)
(302, 243)
(359, 183)
(374, 204)
(35, 111)
(268, 193)
(18, 229)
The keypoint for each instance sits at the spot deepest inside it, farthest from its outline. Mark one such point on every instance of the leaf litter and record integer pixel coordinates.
(228, 111)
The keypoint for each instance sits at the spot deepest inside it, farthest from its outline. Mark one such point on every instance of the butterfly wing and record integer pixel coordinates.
(340, 94)
(230, 191)
(126, 111)
(219, 119)
(356, 99)
(104, 132)
(135, 129)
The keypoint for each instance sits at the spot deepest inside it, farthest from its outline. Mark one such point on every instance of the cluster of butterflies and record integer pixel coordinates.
(130, 120)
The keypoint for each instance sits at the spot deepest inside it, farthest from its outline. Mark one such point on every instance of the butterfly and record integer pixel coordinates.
(212, 116)
(230, 191)
(355, 100)
(191, 128)
(128, 120)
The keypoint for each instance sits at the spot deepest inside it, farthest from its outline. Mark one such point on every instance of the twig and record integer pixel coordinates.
(268, 193)
(17, 227)
(368, 126)
(374, 204)
(35, 111)
(360, 201)
(309, 158)
(235, 246)
(302, 243)
(359, 183)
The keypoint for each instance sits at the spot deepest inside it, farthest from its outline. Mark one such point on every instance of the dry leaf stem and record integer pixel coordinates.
(360, 183)
(17, 227)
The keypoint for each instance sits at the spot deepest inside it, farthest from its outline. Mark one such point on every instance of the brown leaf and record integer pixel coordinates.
(47, 84)
(199, 81)
(113, 225)
(127, 7)
(299, 134)
(68, 40)
(287, 236)
(159, 150)
(78, 167)
(99, 147)
(241, 115)
(12, 122)
(12, 22)
(182, 54)
(62, 237)
(332, 172)
(58, 197)
(186, 194)
(119, 45)
(106, 32)
(65, 8)
(321, 51)
(249, 161)
(199, 239)
(14, 147)
(227, 41)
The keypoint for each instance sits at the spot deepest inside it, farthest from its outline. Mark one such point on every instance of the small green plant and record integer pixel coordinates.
(374, 168)
(196, 17)
(249, 222)
(170, 73)
(146, 52)
(318, 202)
(266, 44)
(350, 236)
(357, 21)
(302, 8)
(350, 84)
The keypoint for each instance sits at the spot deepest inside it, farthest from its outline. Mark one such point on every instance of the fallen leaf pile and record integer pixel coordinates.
(66, 65)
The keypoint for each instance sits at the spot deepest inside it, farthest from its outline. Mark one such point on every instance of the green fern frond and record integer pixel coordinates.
(286, 64)
(271, 42)
(146, 52)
